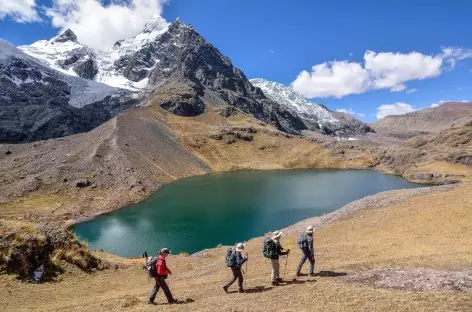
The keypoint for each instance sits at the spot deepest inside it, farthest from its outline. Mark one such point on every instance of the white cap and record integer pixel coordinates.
(276, 235)
(240, 247)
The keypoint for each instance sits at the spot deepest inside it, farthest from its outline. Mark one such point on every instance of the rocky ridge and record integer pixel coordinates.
(430, 120)
(316, 116)
(37, 102)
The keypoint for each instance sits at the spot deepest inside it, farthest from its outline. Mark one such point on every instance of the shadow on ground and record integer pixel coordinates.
(330, 274)
(253, 290)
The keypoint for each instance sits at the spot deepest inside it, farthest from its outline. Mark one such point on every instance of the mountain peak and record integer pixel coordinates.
(157, 23)
(67, 35)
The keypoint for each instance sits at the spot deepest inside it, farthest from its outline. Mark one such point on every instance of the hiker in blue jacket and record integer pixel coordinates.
(305, 243)
(235, 260)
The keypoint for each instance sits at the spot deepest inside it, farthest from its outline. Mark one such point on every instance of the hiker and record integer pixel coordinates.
(305, 243)
(235, 260)
(160, 276)
(273, 250)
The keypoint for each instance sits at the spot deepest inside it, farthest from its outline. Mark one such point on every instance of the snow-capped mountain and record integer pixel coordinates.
(64, 53)
(317, 117)
(290, 98)
(38, 102)
(163, 54)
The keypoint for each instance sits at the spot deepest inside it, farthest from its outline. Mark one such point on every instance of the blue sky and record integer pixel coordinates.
(278, 40)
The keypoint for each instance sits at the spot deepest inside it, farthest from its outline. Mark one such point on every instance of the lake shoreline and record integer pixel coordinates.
(71, 222)
(325, 206)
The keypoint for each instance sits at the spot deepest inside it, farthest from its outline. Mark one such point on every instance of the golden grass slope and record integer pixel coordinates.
(432, 231)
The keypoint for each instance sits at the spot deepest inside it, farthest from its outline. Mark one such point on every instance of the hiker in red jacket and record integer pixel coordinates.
(162, 273)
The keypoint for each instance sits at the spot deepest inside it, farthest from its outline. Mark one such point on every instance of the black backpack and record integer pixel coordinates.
(269, 248)
(230, 258)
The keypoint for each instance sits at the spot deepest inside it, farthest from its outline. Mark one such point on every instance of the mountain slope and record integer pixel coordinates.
(168, 54)
(37, 102)
(447, 115)
(316, 116)
(64, 53)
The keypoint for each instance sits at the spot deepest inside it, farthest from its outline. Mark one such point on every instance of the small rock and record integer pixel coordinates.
(81, 183)
(8, 153)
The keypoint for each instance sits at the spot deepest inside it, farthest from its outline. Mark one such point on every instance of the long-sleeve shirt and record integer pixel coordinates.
(161, 266)
(309, 246)
(239, 259)
(279, 250)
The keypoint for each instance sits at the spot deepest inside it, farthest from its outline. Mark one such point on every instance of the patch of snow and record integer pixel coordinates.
(290, 98)
(53, 54)
(83, 91)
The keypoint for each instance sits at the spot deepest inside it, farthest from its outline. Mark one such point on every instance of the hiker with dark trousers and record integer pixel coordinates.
(273, 250)
(235, 261)
(305, 243)
(162, 273)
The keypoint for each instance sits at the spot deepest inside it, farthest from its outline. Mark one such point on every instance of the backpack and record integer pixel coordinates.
(230, 258)
(302, 241)
(151, 266)
(268, 248)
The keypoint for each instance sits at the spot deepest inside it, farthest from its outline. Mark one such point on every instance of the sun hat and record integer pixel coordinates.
(310, 229)
(240, 247)
(165, 250)
(276, 235)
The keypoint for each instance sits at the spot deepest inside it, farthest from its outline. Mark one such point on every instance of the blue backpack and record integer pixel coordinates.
(302, 241)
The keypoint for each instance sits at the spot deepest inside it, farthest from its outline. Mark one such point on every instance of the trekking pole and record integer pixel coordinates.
(245, 280)
(285, 268)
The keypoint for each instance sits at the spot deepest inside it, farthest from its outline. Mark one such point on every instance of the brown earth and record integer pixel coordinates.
(430, 120)
(132, 155)
(431, 231)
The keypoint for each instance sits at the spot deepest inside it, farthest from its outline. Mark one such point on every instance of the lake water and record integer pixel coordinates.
(225, 208)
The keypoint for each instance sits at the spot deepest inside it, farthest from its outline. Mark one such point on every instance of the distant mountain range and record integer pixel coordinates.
(430, 120)
(316, 116)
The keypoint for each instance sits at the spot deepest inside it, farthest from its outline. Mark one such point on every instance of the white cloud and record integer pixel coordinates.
(351, 112)
(398, 108)
(21, 11)
(100, 26)
(413, 90)
(271, 51)
(454, 54)
(384, 70)
(332, 79)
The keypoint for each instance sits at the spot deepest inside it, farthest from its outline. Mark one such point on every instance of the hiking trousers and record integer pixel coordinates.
(161, 283)
(275, 269)
(307, 255)
(237, 275)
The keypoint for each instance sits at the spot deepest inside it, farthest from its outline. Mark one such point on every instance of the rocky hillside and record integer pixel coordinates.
(430, 120)
(316, 116)
(167, 54)
(38, 102)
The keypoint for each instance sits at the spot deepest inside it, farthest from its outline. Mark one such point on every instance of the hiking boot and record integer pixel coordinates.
(278, 280)
(225, 288)
(241, 291)
(173, 301)
(275, 284)
(312, 274)
(299, 274)
(150, 302)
